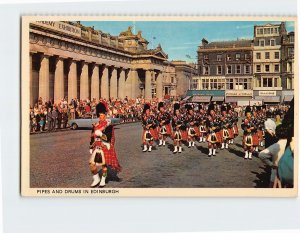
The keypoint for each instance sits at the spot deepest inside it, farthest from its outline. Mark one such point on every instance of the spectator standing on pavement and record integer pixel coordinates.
(54, 118)
(270, 126)
(271, 155)
(49, 119)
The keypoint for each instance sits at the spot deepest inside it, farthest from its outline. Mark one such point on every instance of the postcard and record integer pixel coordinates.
(133, 106)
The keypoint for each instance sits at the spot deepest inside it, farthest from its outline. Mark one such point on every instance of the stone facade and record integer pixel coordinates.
(225, 65)
(69, 60)
(261, 68)
(184, 74)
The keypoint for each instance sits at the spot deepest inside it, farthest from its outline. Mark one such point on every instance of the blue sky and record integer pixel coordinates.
(179, 39)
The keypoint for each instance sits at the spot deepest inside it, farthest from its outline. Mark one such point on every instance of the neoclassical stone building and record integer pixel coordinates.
(70, 60)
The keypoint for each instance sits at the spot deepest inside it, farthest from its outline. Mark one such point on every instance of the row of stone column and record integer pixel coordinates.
(114, 87)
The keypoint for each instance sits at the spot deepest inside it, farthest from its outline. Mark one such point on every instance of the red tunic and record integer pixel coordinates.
(109, 154)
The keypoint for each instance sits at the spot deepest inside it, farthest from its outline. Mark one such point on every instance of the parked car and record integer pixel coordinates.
(88, 120)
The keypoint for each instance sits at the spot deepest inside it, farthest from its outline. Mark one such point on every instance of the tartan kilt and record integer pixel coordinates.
(209, 135)
(197, 130)
(220, 136)
(111, 158)
(184, 135)
(236, 131)
(153, 132)
(260, 135)
(169, 129)
(255, 139)
(231, 134)
(173, 135)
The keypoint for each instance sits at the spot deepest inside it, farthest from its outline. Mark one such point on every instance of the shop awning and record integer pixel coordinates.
(200, 99)
(231, 100)
(218, 98)
(268, 99)
(288, 98)
(186, 98)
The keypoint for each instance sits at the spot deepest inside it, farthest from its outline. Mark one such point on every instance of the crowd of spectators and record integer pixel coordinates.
(50, 116)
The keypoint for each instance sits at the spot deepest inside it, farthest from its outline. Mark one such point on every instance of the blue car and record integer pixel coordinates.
(88, 120)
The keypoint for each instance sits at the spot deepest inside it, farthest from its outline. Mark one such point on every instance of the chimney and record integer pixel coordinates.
(204, 42)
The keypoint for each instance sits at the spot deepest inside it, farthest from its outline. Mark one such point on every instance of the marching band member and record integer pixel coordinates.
(247, 125)
(202, 125)
(191, 125)
(164, 120)
(177, 122)
(149, 129)
(224, 126)
(102, 149)
(213, 127)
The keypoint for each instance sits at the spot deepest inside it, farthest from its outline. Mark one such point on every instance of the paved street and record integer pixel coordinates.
(60, 159)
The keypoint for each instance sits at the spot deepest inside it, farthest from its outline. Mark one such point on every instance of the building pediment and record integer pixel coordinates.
(161, 54)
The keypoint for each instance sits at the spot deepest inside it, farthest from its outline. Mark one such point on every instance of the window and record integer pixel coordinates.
(275, 82)
(239, 83)
(195, 84)
(261, 30)
(276, 68)
(237, 56)
(229, 69)
(258, 56)
(290, 51)
(229, 84)
(172, 79)
(276, 55)
(267, 55)
(267, 82)
(219, 70)
(205, 56)
(247, 56)
(247, 69)
(205, 70)
(275, 30)
(262, 43)
(238, 69)
(258, 68)
(289, 67)
(228, 57)
(267, 31)
(272, 42)
(213, 84)
(205, 84)
(267, 68)
(258, 31)
(271, 30)
(219, 57)
(291, 39)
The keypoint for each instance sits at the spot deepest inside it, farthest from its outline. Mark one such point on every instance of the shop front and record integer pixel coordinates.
(268, 97)
(238, 96)
(206, 96)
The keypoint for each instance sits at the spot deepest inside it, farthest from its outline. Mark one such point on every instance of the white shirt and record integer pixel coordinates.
(270, 125)
(274, 151)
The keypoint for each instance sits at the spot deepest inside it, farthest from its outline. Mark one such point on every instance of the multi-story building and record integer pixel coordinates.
(69, 60)
(258, 70)
(225, 71)
(266, 62)
(287, 66)
(184, 74)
